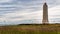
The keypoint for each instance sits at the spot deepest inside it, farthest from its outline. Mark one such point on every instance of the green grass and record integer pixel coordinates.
(30, 29)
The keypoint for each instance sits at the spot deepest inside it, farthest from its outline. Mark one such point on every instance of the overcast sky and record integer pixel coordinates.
(28, 11)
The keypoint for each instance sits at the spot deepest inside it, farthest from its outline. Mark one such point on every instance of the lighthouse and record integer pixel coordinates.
(45, 13)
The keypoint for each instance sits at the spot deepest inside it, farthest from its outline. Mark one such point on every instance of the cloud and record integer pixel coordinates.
(1, 1)
(24, 11)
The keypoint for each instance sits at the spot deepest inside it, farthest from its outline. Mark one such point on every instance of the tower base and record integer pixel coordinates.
(45, 22)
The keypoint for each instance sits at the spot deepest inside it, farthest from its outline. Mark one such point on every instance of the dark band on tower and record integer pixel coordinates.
(45, 14)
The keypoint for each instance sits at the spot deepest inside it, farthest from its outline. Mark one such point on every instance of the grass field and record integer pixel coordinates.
(31, 29)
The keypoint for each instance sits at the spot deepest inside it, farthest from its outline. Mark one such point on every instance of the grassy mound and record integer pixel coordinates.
(31, 29)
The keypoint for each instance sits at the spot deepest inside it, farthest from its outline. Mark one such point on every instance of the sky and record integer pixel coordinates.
(28, 11)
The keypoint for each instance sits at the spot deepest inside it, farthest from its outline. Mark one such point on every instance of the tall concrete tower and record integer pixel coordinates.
(45, 14)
